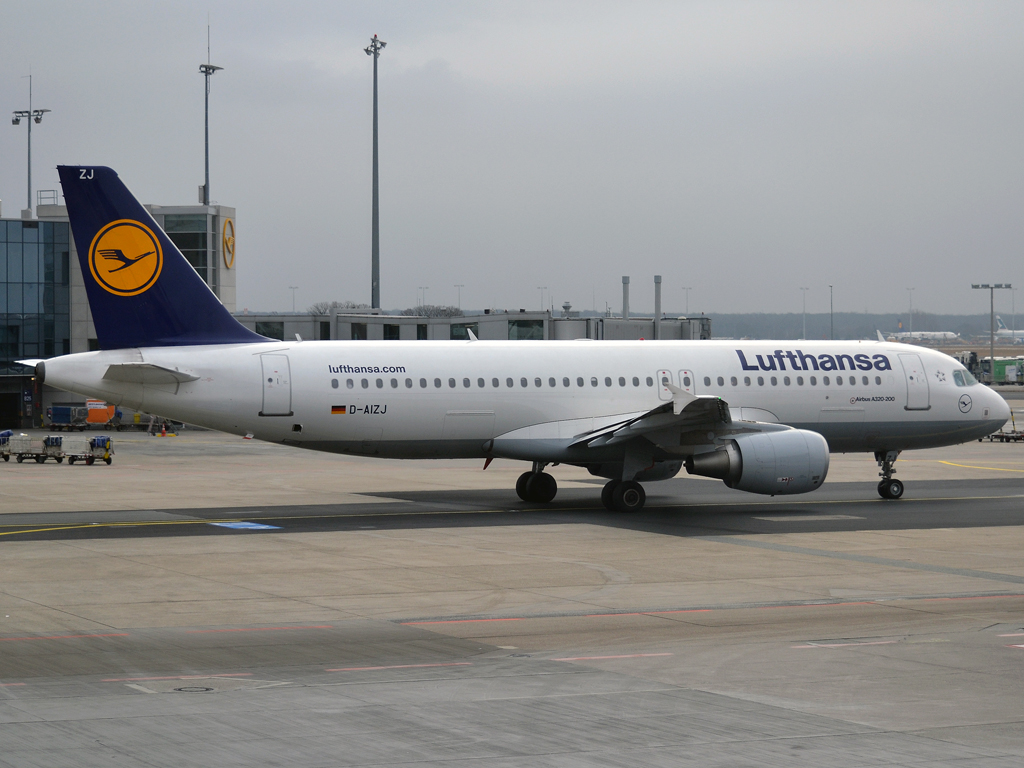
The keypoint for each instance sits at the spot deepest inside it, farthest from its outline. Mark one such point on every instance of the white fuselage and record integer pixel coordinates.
(528, 399)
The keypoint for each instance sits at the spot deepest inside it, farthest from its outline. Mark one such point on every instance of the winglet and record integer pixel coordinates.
(680, 398)
(472, 336)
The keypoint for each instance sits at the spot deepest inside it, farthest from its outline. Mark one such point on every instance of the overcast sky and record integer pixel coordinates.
(743, 149)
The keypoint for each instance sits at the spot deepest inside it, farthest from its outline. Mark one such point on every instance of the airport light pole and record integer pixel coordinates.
(911, 292)
(207, 70)
(423, 288)
(374, 49)
(293, 289)
(33, 116)
(460, 287)
(542, 288)
(991, 288)
(803, 292)
(687, 289)
(831, 315)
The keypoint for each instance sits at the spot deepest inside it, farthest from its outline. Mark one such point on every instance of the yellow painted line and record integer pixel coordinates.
(971, 466)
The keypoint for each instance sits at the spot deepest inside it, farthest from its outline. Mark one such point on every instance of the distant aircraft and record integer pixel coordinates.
(1004, 333)
(919, 336)
(761, 415)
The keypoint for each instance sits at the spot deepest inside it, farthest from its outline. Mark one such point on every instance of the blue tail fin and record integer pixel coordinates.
(1001, 324)
(142, 291)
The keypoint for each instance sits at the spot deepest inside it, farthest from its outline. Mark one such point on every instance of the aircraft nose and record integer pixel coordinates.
(1000, 409)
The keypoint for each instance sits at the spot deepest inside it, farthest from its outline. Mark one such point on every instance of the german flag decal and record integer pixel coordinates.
(337, 409)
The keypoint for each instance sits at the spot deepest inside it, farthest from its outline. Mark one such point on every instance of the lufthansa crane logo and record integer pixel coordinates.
(228, 243)
(125, 258)
(964, 403)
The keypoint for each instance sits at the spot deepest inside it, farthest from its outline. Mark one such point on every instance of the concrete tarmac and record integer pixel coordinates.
(212, 601)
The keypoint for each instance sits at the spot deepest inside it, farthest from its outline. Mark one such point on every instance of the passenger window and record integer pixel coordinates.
(760, 381)
(334, 383)
(864, 380)
(824, 380)
(437, 383)
(349, 383)
(451, 383)
(622, 381)
(650, 382)
(508, 383)
(423, 383)
(814, 381)
(686, 381)
(552, 382)
(365, 383)
(481, 383)
(466, 383)
(746, 380)
(380, 383)
(523, 382)
(565, 381)
(538, 382)
(408, 383)
(394, 383)
(707, 381)
(799, 381)
(579, 381)
(607, 381)
(775, 382)
(636, 381)
(785, 380)
(495, 383)
(878, 380)
(721, 381)
(593, 381)
(732, 380)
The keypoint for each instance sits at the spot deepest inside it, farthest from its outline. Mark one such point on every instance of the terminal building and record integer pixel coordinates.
(44, 310)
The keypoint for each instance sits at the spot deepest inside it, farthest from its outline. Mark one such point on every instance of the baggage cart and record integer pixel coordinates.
(24, 447)
(88, 449)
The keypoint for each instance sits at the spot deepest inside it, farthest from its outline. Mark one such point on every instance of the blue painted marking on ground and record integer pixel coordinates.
(248, 526)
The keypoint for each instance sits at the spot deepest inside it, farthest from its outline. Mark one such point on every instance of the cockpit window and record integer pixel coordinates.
(964, 378)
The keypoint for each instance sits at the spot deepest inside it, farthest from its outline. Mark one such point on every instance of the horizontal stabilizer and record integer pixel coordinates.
(146, 373)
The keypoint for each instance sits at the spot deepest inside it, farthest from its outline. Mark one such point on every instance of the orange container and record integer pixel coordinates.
(98, 412)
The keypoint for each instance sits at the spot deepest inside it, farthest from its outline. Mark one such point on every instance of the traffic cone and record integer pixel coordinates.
(163, 429)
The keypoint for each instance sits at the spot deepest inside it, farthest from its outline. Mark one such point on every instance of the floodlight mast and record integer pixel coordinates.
(375, 47)
(206, 70)
(991, 288)
(34, 116)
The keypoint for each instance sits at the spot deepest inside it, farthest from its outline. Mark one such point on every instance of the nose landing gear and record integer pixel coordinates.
(889, 487)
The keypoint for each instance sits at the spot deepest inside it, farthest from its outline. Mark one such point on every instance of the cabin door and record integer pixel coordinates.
(277, 386)
(917, 383)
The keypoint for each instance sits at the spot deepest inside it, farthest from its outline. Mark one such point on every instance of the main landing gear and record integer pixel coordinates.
(537, 487)
(889, 487)
(623, 496)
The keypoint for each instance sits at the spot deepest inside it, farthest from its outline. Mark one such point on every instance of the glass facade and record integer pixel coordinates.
(35, 299)
(525, 329)
(191, 233)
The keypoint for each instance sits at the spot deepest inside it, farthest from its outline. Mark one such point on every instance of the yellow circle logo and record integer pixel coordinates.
(228, 243)
(125, 257)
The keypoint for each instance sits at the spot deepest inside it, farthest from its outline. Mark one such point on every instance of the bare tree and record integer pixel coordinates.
(433, 310)
(325, 307)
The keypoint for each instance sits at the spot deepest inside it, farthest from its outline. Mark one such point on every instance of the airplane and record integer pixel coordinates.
(919, 336)
(762, 416)
(1004, 333)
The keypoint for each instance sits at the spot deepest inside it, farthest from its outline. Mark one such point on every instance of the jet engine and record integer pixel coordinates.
(791, 461)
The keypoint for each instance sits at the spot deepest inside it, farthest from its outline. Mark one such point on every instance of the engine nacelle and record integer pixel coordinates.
(792, 461)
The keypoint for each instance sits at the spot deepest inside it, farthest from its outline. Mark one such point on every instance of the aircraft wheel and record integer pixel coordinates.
(608, 494)
(541, 487)
(629, 496)
(890, 489)
(521, 485)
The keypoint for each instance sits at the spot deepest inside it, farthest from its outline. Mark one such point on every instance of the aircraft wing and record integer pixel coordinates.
(686, 413)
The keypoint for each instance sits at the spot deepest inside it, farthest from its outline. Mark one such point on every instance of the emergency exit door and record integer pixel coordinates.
(277, 386)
